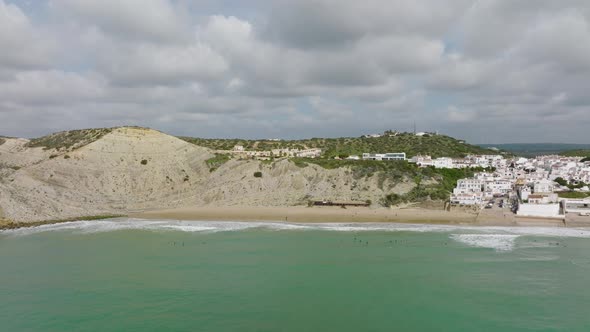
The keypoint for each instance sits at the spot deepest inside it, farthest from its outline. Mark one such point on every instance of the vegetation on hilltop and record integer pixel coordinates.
(252, 145)
(433, 145)
(2, 141)
(576, 153)
(69, 139)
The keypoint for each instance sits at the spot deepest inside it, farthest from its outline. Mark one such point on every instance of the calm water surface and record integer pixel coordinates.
(128, 275)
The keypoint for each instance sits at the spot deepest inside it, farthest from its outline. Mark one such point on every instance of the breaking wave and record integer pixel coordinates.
(499, 242)
(497, 238)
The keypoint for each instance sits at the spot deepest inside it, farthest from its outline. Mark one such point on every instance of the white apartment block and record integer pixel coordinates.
(309, 153)
(469, 186)
(399, 156)
(443, 163)
(499, 187)
(467, 198)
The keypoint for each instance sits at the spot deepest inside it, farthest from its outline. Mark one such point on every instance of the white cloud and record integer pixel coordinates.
(51, 87)
(306, 67)
(21, 45)
(148, 64)
(156, 20)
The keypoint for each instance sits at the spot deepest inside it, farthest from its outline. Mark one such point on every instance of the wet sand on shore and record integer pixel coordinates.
(319, 214)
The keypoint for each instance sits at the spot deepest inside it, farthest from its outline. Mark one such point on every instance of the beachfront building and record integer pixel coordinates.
(581, 206)
(467, 198)
(396, 156)
(468, 192)
(543, 198)
(540, 210)
(469, 185)
(498, 187)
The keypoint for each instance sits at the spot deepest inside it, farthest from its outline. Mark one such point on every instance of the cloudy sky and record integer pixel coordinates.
(486, 71)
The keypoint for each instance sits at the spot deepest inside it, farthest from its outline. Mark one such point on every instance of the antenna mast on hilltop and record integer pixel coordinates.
(414, 127)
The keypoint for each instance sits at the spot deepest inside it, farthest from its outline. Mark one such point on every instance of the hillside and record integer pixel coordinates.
(116, 171)
(434, 145)
(123, 170)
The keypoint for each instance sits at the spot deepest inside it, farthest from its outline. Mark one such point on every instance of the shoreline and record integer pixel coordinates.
(302, 214)
(8, 224)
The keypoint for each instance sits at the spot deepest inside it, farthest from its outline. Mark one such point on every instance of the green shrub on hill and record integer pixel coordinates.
(216, 162)
(561, 181)
(576, 153)
(68, 139)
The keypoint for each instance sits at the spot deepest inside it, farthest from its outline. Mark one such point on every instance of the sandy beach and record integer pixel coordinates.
(300, 214)
(310, 214)
(314, 214)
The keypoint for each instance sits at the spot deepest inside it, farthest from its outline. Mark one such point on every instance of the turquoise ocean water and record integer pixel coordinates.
(132, 275)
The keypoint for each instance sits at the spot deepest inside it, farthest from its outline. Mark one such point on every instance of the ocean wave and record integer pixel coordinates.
(490, 237)
(499, 242)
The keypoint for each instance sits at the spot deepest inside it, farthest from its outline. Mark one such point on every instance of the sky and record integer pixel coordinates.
(485, 71)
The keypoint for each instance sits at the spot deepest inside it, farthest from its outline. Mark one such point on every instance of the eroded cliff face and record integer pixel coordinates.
(135, 169)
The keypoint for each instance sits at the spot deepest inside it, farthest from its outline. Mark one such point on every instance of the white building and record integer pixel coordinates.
(524, 193)
(443, 162)
(467, 198)
(539, 210)
(385, 156)
(543, 186)
(419, 158)
(422, 161)
(498, 187)
(309, 153)
(469, 186)
(543, 198)
(577, 205)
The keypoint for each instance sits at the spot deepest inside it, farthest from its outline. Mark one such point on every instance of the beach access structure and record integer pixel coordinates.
(342, 204)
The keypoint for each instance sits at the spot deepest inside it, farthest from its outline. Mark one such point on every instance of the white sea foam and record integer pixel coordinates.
(499, 242)
(498, 238)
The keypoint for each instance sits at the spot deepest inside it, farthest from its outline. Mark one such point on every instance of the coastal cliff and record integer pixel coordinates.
(124, 170)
